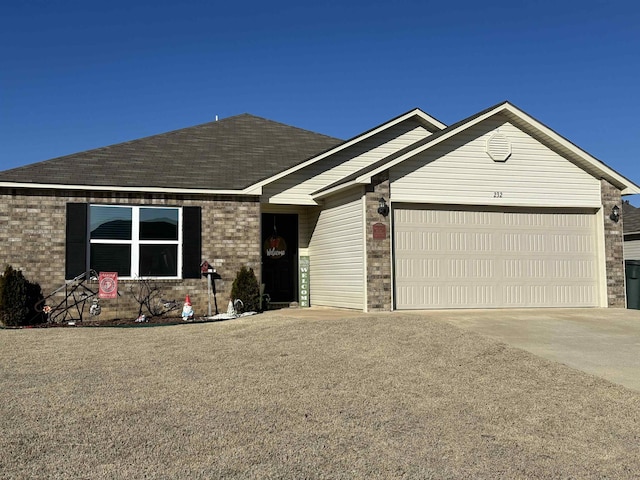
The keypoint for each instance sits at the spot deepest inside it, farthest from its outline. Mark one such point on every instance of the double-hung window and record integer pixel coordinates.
(136, 241)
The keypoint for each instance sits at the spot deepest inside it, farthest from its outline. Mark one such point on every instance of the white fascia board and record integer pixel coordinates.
(338, 188)
(629, 190)
(308, 201)
(252, 190)
(53, 186)
(426, 118)
(413, 113)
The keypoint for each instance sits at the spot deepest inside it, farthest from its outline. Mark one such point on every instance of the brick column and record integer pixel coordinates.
(613, 244)
(378, 249)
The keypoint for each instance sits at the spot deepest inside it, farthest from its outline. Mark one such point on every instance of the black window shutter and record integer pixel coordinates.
(191, 241)
(76, 240)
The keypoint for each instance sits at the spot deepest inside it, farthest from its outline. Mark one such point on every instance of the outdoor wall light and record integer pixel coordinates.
(383, 208)
(615, 213)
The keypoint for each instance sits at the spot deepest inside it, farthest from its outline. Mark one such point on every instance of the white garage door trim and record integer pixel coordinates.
(484, 257)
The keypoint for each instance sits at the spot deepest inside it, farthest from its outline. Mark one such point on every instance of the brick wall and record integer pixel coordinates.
(32, 239)
(378, 250)
(613, 246)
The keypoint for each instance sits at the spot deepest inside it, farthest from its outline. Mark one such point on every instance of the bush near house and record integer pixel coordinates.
(18, 298)
(245, 287)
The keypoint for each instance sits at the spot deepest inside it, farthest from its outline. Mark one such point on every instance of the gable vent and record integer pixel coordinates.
(498, 147)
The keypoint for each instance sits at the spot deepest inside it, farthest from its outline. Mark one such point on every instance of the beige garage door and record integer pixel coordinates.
(468, 259)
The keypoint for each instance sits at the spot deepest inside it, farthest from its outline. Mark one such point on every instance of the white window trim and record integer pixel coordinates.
(135, 241)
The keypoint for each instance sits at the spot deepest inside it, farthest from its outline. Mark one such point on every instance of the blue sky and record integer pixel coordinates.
(76, 75)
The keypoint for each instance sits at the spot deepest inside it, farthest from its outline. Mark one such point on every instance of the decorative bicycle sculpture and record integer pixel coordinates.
(71, 307)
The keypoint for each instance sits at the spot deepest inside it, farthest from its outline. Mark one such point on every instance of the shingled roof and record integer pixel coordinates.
(630, 218)
(229, 154)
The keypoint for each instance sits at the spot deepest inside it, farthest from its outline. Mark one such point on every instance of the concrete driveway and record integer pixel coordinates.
(600, 341)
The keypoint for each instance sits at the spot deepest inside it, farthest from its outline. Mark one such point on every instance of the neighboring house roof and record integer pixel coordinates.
(517, 117)
(227, 155)
(630, 218)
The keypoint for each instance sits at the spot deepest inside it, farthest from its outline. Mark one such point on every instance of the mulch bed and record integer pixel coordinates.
(123, 322)
(127, 322)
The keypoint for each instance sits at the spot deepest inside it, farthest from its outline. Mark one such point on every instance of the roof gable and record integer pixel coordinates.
(297, 187)
(522, 120)
(428, 122)
(226, 155)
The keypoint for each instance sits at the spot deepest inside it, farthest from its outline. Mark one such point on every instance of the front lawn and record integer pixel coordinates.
(364, 396)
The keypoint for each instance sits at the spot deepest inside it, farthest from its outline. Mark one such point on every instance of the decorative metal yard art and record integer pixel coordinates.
(71, 298)
(148, 296)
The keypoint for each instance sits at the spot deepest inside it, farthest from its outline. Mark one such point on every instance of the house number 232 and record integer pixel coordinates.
(497, 194)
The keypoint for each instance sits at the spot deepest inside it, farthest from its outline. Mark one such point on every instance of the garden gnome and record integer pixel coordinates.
(187, 310)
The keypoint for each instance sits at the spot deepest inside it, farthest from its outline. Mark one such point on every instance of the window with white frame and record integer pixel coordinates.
(136, 241)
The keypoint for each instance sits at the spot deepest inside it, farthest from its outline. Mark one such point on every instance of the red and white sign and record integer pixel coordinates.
(108, 282)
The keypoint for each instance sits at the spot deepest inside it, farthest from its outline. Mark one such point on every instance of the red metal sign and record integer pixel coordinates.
(108, 284)
(379, 231)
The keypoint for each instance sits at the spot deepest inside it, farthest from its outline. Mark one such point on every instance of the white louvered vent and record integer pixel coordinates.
(498, 147)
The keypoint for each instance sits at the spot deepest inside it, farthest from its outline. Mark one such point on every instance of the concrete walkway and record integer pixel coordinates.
(600, 341)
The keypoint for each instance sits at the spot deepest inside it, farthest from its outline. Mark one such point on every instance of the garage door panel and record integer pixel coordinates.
(479, 259)
(410, 268)
(462, 295)
(519, 296)
(518, 269)
(469, 270)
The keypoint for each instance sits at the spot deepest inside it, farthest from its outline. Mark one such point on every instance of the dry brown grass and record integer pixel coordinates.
(378, 396)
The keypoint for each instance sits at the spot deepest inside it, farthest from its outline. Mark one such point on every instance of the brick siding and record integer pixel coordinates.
(613, 246)
(33, 241)
(379, 282)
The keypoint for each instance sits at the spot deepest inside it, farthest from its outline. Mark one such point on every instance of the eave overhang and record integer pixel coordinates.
(116, 188)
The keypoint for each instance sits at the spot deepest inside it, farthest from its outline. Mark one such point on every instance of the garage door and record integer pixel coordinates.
(479, 259)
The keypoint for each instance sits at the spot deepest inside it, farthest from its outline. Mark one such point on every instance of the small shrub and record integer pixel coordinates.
(246, 288)
(18, 298)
